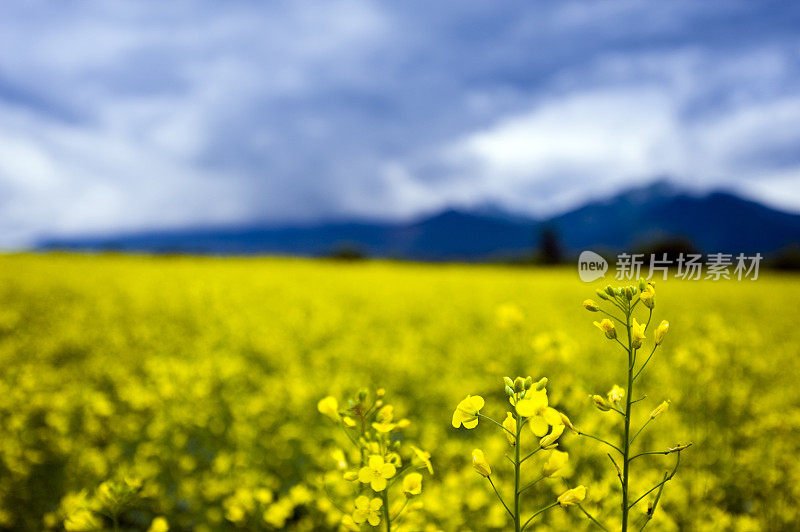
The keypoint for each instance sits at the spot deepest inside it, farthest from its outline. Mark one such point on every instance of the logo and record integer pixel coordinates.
(591, 266)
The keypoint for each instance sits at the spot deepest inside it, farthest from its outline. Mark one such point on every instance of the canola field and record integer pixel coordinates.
(176, 393)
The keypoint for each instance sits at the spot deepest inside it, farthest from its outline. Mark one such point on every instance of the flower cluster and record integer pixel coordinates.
(383, 459)
(530, 416)
(624, 301)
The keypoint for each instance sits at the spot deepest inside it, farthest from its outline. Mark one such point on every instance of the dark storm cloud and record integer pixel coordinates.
(124, 115)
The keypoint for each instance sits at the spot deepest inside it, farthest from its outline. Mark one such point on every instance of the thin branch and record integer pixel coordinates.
(602, 441)
(668, 451)
(489, 478)
(666, 479)
(537, 513)
(640, 430)
(645, 362)
(496, 423)
(530, 484)
(531, 454)
(652, 509)
(619, 471)
(595, 521)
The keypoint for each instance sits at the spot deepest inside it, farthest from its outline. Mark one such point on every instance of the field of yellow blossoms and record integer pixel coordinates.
(206, 394)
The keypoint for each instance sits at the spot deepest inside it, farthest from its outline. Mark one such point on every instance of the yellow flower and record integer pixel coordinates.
(535, 406)
(348, 421)
(412, 483)
(384, 419)
(648, 296)
(350, 476)
(616, 394)
(554, 463)
(573, 496)
(159, 524)
(637, 334)
(551, 438)
(590, 305)
(600, 403)
(660, 409)
(510, 424)
(661, 332)
(424, 457)
(607, 327)
(348, 525)
(480, 464)
(329, 406)
(467, 412)
(367, 510)
(339, 458)
(376, 472)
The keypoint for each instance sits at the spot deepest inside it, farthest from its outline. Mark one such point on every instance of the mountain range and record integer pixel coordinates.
(637, 218)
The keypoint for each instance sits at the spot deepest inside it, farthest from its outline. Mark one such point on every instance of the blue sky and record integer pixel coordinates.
(118, 116)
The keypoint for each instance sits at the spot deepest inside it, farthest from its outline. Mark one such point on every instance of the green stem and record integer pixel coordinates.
(496, 423)
(640, 430)
(612, 316)
(595, 521)
(537, 513)
(602, 441)
(386, 518)
(500, 497)
(626, 441)
(530, 484)
(645, 363)
(530, 454)
(517, 467)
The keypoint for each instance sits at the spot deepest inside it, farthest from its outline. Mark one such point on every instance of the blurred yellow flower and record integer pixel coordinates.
(554, 463)
(376, 472)
(367, 511)
(467, 412)
(573, 496)
(616, 394)
(607, 327)
(424, 457)
(480, 464)
(159, 524)
(412, 483)
(329, 406)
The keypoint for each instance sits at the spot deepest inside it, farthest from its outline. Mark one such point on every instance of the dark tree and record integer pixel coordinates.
(550, 251)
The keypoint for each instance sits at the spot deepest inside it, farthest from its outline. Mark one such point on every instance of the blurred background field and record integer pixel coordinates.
(200, 377)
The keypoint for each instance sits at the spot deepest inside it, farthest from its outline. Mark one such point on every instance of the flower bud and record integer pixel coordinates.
(351, 476)
(661, 331)
(510, 424)
(528, 382)
(602, 295)
(660, 409)
(480, 464)
(590, 305)
(381, 392)
(565, 420)
(600, 402)
(508, 382)
(642, 284)
(628, 293)
(541, 384)
(509, 391)
(519, 385)
(610, 291)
